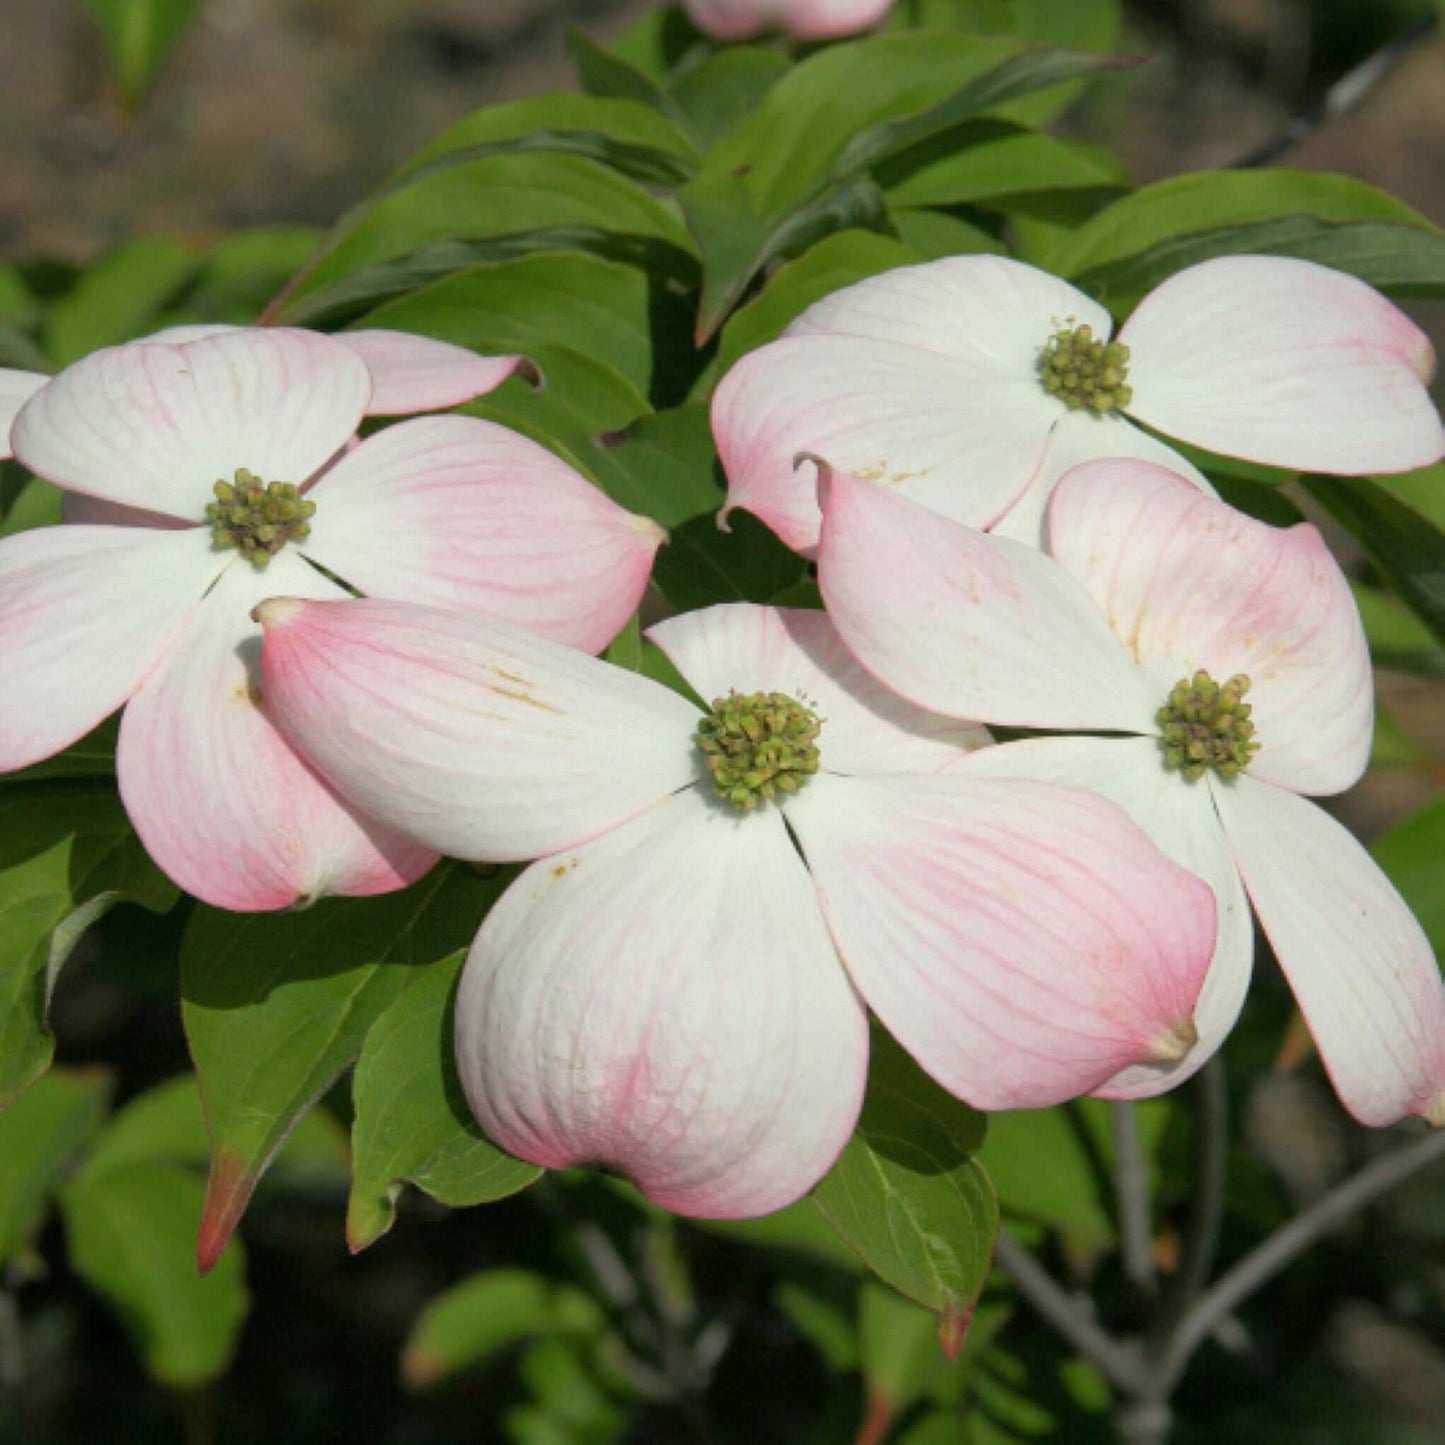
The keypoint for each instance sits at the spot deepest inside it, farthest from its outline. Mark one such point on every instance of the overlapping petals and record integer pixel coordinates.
(670, 990)
(138, 603)
(1267, 358)
(1175, 582)
(807, 19)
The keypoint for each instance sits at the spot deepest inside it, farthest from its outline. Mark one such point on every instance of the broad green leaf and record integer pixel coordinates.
(1400, 522)
(470, 1322)
(665, 467)
(92, 756)
(842, 110)
(711, 97)
(1078, 25)
(561, 310)
(992, 163)
(1397, 638)
(412, 1122)
(632, 138)
(119, 297)
(836, 261)
(1131, 245)
(167, 1124)
(129, 1231)
(898, 1348)
(907, 1192)
(277, 1005)
(1051, 1168)
(612, 75)
(67, 854)
(658, 41)
(41, 1134)
(1412, 853)
(939, 233)
(140, 34)
(525, 199)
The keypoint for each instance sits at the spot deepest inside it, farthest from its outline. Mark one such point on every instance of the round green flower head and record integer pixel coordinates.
(1205, 725)
(258, 518)
(1083, 373)
(758, 746)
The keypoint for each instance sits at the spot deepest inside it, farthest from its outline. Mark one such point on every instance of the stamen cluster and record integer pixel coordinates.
(258, 518)
(1083, 373)
(1207, 725)
(757, 746)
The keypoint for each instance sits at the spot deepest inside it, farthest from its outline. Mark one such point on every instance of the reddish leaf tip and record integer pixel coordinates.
(228, 1191)
(953, 1325)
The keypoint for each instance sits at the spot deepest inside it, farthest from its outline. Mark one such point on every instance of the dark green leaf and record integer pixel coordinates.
(93, 756)
(67, 854)
(632, 138)
(40, 1135)
(1400, 522)
(277, 1005)
(907, 1192)
(938, 233)
(607, 74)
(129, 1231)
(412, 1122)
(444, 220)
(469, 1323)
(715, 95)
(1412, 853)
(665, 467)
(992, 163)
(26, 502)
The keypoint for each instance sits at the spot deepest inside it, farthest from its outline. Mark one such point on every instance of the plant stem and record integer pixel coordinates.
(1131, 1197)
(1237, 1284)
(1069, 1315)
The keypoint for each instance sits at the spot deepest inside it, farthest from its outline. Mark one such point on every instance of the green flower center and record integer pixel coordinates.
(1086, 375)
(758, 746)
(258, 518)
(1206, 725)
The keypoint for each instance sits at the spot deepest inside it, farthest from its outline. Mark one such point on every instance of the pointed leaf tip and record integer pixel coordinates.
(953, 1327)
(228, 1191)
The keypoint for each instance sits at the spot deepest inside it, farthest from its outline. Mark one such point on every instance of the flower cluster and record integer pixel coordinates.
(719, 892)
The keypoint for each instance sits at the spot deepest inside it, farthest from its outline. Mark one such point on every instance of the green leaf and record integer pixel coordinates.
(119, 297)
(632, 138)
(1079, 25)
(1133, 244)
(26, 502)
(277, 1005)
(40, 1135)
(1051, 1168)
(167, 1124)
(836, 261)
(992, 163)
(140, 34)
(444, 220)
(241, 273)
(562, 310)
(67, 854)
(934, 234)
(1397, 638)
(412, 1122)
(791, 168)
(712, 97)
(613, 76)
(665, 467)
(1412, 853)
(907, 1192)
(1400, 522)
(92, 756)
(129, 1231)
(470, 1322)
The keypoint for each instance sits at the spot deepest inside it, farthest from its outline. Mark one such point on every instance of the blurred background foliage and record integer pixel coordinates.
(176, 160)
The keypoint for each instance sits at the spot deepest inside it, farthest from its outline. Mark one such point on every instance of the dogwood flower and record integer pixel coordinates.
(971, 384)
(1231, 656)
(676, 989)
(207, 474)
(806, 19)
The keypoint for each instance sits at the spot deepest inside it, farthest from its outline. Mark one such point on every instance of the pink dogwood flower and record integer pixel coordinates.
(805, 19)
(971, 384)
(1230, 655)
(206, 474)
(677, 989)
